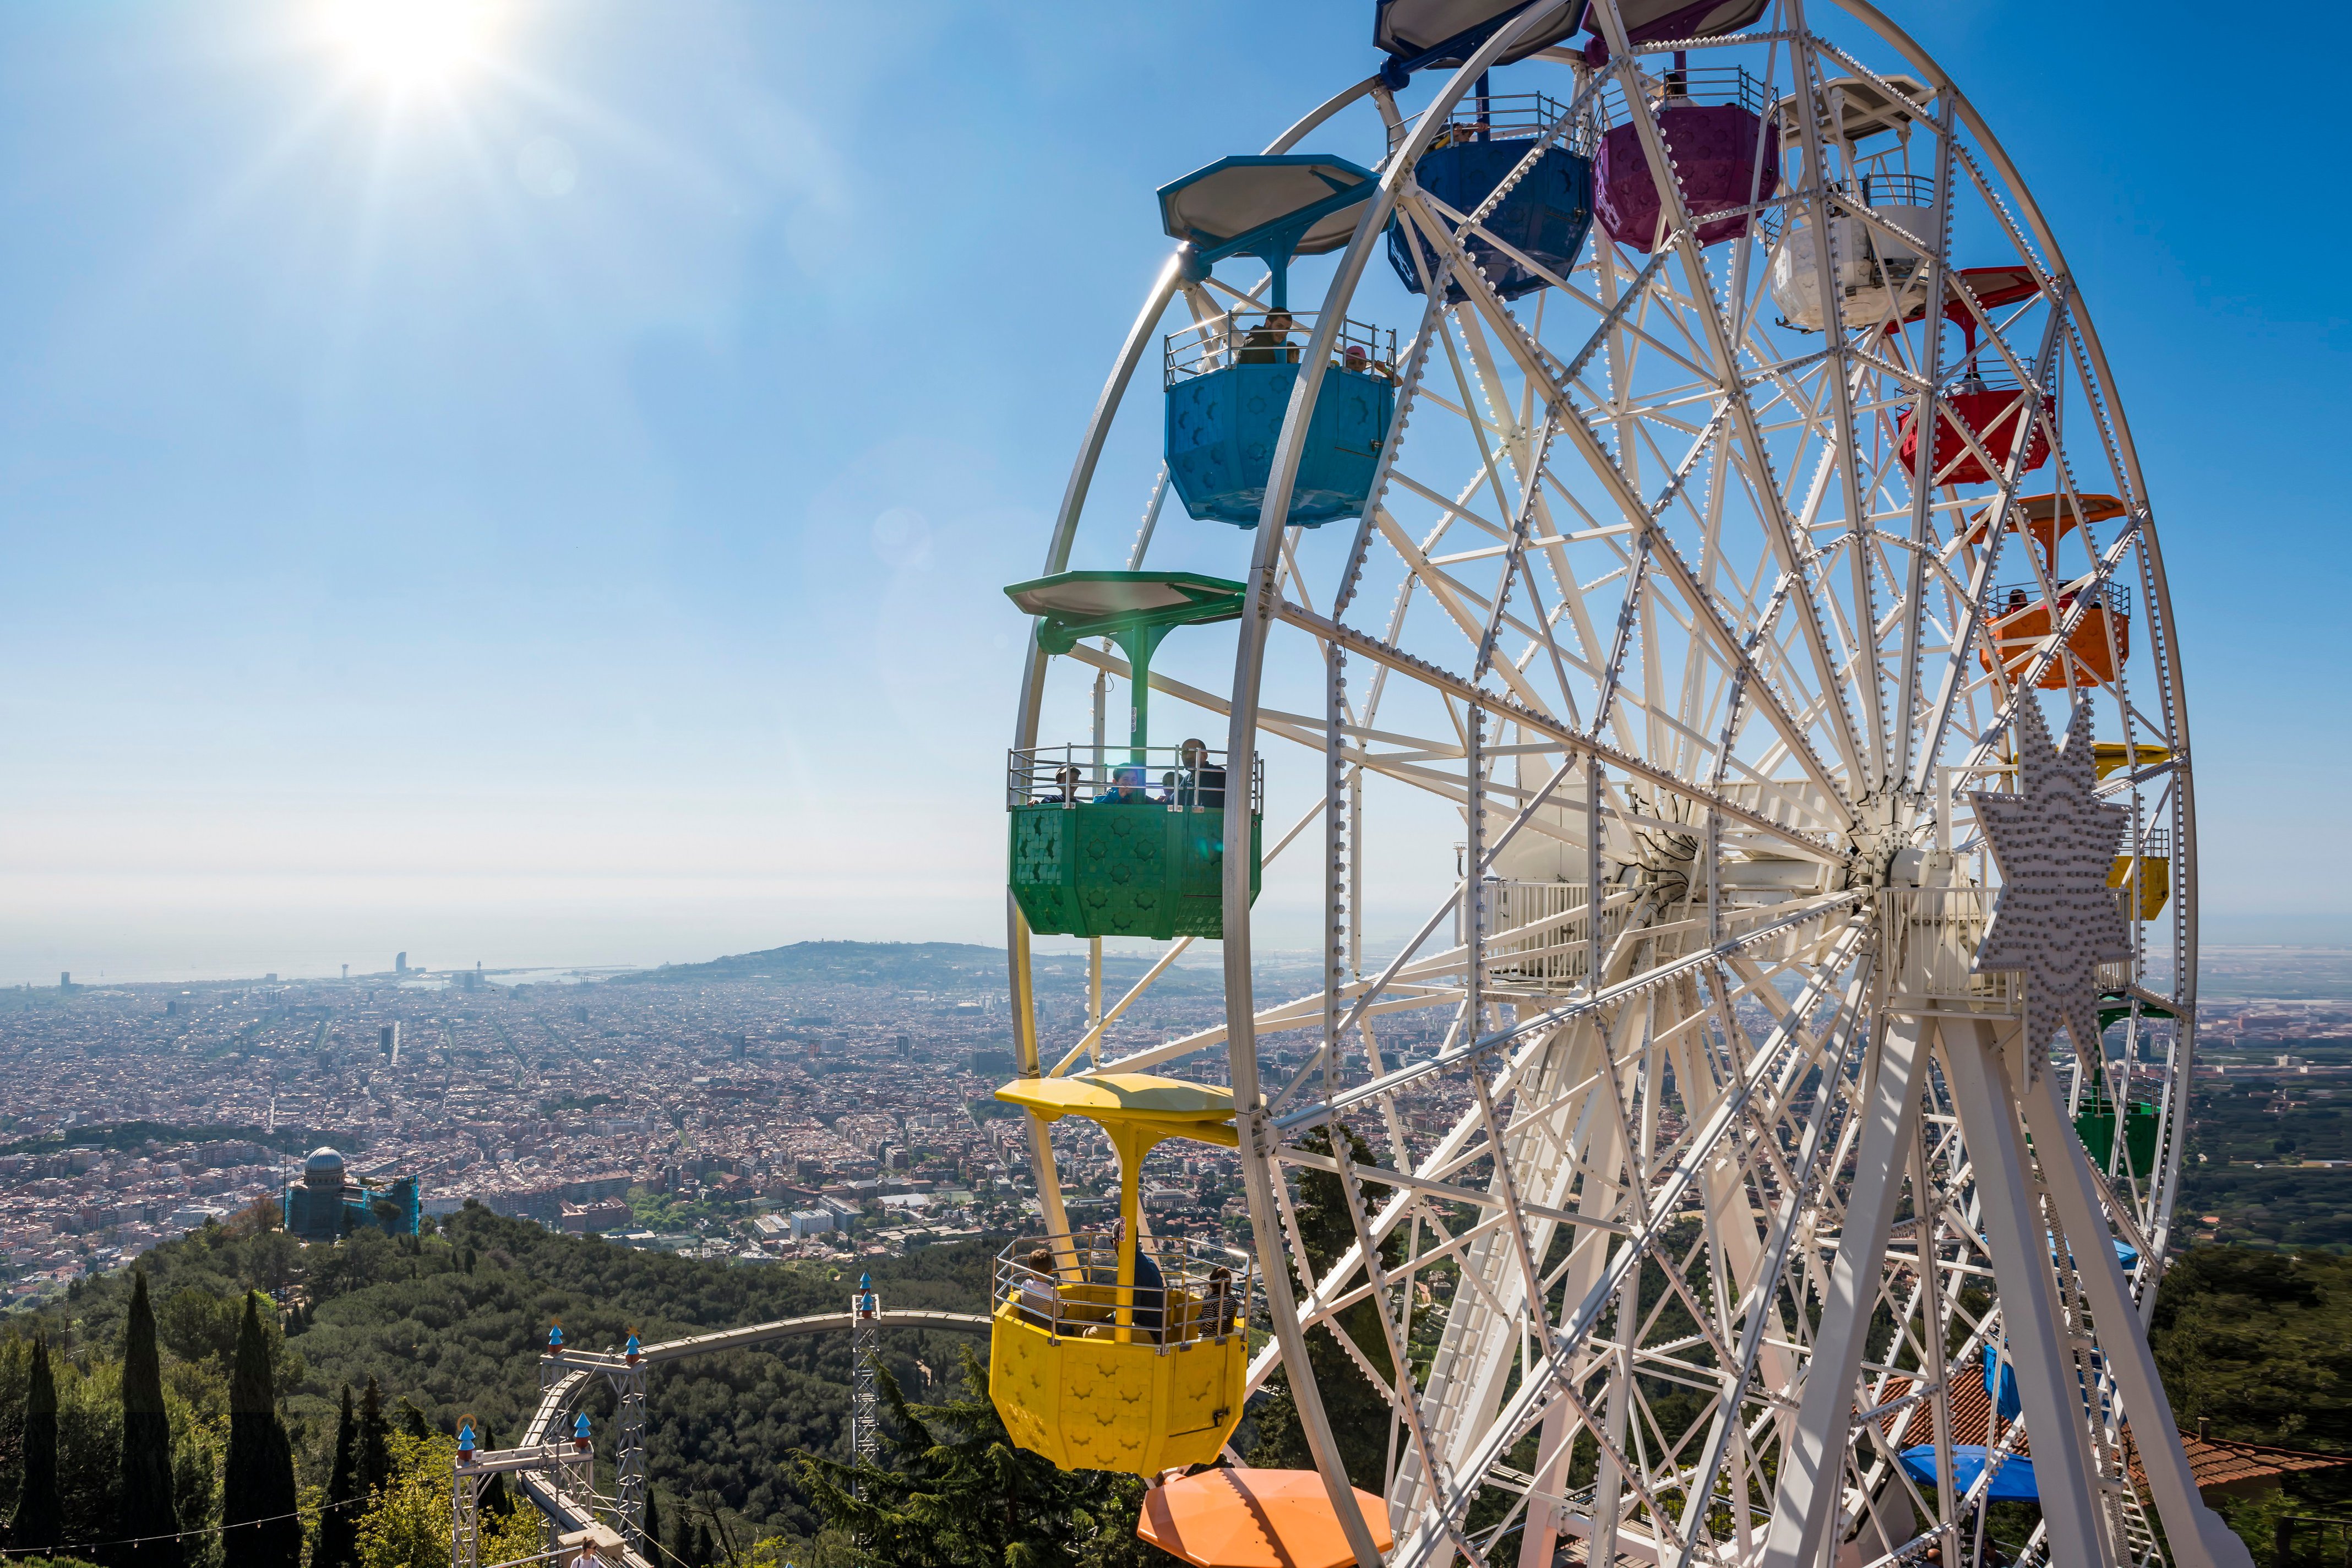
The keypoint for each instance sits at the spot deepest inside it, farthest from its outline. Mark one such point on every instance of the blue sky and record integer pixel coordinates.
(555, 513)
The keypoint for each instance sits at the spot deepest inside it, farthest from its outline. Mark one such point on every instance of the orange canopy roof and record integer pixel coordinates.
(1254, 1519)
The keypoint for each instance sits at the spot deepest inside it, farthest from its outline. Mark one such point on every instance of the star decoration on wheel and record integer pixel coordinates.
(2056, 919)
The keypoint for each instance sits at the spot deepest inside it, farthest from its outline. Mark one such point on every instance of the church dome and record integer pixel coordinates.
(324, 1168)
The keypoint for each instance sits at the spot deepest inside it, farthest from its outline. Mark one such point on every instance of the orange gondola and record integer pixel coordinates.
(2021, 623)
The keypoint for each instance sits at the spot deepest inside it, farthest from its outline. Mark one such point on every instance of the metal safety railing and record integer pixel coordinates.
(2011, 597)
(1933, 934)
(1701, 86)
(1273, 337)
(1502, 117)
(1875, 189)
(2311, 1541)
(1185, 1290)
(1538, 933)
(1179, 778)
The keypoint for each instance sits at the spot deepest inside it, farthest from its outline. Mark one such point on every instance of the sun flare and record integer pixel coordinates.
(410, 41)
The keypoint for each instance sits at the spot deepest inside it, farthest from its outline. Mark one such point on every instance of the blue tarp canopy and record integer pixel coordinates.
(2014, 1482)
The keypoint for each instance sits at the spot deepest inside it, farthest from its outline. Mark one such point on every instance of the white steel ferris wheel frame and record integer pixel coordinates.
(1847, 1142)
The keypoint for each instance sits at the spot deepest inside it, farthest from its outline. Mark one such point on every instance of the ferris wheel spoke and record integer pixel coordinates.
(1540, 722)
(1551, 1380)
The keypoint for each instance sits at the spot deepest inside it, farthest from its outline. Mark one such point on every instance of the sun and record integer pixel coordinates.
(410, 41)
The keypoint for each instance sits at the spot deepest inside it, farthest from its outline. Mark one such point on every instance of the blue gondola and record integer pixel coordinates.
(1544, 216)
(1230, 380)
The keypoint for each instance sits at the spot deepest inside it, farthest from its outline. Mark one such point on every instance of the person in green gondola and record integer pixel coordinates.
(1130, 785)
(1203, 786)
(1269, 342)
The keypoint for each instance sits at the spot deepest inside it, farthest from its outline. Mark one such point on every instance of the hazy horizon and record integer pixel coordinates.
(552, 514)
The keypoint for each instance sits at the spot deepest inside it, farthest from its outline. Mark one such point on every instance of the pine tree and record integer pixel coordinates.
(339, 1526)
(258, 1501)
(957, 1490)
(374, 1442)
(39, 1524)
(148, 1515)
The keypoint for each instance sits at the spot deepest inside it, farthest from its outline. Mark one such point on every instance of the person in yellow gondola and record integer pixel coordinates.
(1150, 1286)
(1041, 1300)
(1214, 1313)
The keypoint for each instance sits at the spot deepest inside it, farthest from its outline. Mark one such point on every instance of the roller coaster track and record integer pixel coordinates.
(556, 1477)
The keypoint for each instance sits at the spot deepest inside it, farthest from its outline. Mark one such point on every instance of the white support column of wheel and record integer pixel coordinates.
(2199, 1537)
(1806, 1510)
(2047, 1388)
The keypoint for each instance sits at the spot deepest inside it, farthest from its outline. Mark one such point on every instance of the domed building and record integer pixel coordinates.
(327, 1204)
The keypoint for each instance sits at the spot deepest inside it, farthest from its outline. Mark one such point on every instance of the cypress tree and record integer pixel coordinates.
(701, 1557)
(37, 1526)
(339, 1526)
(375, 1441)
(653, 1518)
(148, 1515)
(681, 1540)
(258, 1501)
(497, 1501)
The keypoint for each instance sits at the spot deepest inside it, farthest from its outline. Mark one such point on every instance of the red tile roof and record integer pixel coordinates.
(2218, 1464)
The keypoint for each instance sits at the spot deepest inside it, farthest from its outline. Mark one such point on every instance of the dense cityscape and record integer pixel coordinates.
(823, 1101)
(828, 1100)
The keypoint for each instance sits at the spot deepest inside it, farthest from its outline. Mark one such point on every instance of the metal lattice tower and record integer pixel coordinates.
(865, 1348)
(629, 1496)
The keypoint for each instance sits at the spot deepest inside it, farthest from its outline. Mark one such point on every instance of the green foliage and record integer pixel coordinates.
(956, 1493)
(38, 1523)
(407, 1524)
(2258, 1345)
(339, 1525)
(451, 1342)
(258, 1491)
(148, 1515)
(374, 1445)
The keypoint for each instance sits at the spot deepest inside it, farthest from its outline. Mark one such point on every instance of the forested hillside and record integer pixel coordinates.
(2258, 1346)
(453, 1323)
(2257, 1343)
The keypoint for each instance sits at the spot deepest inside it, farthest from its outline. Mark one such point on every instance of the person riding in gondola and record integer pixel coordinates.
(1129, 786)
(1269, 342)
(1203, 786)
(1150, 1285)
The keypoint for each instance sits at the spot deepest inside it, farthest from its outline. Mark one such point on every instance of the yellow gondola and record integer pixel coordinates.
(1089, 1367)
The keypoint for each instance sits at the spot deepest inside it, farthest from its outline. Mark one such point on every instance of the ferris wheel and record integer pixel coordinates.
(1688, 526)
